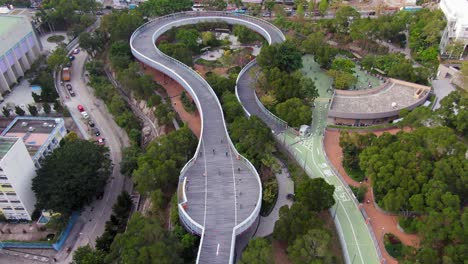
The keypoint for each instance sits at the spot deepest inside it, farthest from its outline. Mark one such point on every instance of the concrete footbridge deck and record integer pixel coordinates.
(219, 191)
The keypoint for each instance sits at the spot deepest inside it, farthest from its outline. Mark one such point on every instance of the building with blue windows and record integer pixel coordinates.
(19, 48)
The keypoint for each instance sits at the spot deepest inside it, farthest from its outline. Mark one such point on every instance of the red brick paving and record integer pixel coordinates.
(381, 223)
(174, 90)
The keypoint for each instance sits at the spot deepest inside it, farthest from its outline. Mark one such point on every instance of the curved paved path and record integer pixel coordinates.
(219, 190)
(356, 240)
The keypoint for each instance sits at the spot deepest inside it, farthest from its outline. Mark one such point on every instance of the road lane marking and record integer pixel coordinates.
(217, 250)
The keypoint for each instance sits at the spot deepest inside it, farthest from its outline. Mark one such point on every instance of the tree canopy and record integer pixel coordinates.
(87, 255)
(295, 112)
(164, 7)
(423, 175)
(144, 242)
(285, 56)
(160, 165)
(69, 179)
(252, 138)
(315, 194)
(258, 251)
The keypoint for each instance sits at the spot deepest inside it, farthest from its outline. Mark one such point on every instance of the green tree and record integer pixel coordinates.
(145, 242)
(87, 255)
(342, 80)
(6, 111)
(164, 114)
(46, 107)
(253, 138)
(343, 64)
(219, 5)
(294, 112)
(129, 160)
(284, 56)
(316, 194)
(159, 166)
(454, 111)
(33, 110)
(164, 7)
(344, 17)
(231, 106)
(244, 34)
(58, 57)
(92, 42)
(209, 39)
(119, 54)
(69, 179)
(269, 5)
(19, 111)
(121, 208)
(294, 221)
(311, 247)
(189, 38)
(323, 6)
(258, 251)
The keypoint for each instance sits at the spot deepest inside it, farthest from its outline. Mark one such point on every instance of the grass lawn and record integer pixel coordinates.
(56, 38)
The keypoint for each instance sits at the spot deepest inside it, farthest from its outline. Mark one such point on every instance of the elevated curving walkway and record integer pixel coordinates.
(219, 190)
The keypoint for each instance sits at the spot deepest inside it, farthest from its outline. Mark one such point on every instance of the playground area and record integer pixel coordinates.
(365, 80)
(323, 82)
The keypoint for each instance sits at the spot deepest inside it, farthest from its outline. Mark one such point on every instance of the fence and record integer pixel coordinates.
(45, 245)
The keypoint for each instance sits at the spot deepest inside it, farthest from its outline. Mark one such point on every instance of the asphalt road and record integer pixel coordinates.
(91, 223)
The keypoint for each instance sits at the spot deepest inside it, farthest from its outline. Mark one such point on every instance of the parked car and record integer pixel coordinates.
(91, 123)
(85, 115)
(76, 51)
(96, 132)
(72, 93)
(69, 87)
(101, 141)
(71, 57)
(80, 108)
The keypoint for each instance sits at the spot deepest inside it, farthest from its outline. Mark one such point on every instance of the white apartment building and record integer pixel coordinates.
(19, 48)
(16, 173)
(456, 13)
(23, 145)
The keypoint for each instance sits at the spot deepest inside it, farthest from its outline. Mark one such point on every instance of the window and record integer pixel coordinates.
(3, 178)
(6, 185)
(15, 201)
(3, 201)
(11, 193)
(7, 208)
(19, 208)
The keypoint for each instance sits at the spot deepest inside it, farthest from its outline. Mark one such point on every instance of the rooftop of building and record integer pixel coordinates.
(392, 95)
(8, 23)
(456, 9)
(34, 131)
(5, 145)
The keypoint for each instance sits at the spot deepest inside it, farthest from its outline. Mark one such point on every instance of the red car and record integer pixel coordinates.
(101, 141)
(80, 108)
